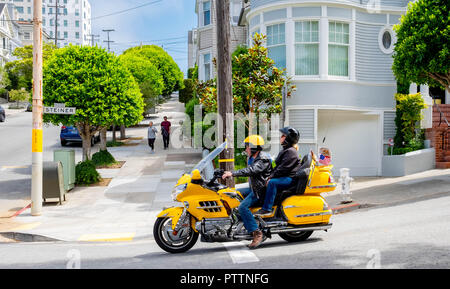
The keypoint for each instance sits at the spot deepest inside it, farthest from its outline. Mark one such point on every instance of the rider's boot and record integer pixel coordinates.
(257, 239)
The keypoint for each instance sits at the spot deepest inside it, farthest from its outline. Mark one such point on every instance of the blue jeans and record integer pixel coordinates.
(273, 186)
(244, 209)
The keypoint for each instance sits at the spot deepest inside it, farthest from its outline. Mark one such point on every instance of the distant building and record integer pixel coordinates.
(74, 19)
(26, 33)
(9, 34)
(202, 41)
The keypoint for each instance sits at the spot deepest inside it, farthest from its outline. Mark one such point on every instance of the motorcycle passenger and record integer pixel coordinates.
(287, 164)
(259, 167)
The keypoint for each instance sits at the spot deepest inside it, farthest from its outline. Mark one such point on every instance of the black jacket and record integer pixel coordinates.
(258, 172)
(287, 163)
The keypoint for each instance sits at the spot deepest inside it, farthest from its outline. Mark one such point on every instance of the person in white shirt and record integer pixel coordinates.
(151, 135)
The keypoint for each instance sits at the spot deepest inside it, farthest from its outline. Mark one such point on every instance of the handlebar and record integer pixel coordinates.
(218, 173)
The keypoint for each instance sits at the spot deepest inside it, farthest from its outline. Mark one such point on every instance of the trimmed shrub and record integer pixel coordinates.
(188, 92)
(102, 158)
(86, 174)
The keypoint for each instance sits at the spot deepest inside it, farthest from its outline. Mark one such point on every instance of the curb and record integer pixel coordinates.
(23, 237)
(347, 208)
(21, 211)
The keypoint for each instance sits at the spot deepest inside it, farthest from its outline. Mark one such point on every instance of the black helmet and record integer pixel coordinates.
(292, 135)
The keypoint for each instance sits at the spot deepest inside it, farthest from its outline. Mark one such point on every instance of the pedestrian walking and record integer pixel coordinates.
(165, 131)
(151, 136)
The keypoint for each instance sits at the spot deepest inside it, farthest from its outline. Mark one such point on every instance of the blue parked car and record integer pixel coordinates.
(2, 114)
(70, 134)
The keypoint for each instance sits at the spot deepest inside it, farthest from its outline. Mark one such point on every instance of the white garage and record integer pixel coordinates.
(355, 138)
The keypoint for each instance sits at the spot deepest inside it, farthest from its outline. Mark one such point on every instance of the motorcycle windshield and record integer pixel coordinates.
(209, 158)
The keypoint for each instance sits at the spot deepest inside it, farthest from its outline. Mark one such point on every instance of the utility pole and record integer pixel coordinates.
(108, 41)
(57, 6)
(103, 132)
(224, 86)
(92, 36)
(37, 146)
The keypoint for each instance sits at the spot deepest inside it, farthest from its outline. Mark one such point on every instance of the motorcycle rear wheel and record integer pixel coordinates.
(296, 236)
(162, 232)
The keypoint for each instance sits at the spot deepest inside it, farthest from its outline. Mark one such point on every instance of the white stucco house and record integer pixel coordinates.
(339, 55)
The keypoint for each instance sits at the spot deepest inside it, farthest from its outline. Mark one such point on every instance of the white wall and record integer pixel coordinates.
(354, 140)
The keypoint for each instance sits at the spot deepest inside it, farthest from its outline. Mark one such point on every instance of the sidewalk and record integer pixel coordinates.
(379, 191)
(126, 209)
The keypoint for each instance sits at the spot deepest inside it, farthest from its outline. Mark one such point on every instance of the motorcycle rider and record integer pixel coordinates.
(287, 164)
(259, 167)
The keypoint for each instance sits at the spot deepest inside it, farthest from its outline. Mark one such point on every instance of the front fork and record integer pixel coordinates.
(182, 222)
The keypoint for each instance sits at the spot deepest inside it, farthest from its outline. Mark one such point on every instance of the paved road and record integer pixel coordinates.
(413, 235)
(15, 157)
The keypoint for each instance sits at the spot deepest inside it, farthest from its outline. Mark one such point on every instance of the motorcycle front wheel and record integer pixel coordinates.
(184, 240)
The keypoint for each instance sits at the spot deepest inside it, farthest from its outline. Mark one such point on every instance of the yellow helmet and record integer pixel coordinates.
(254, 141)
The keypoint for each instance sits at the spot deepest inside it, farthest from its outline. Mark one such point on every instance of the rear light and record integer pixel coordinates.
(63, 127)
(330, 179)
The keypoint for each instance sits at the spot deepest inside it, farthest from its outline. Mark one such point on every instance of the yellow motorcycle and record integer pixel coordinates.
(210, 209)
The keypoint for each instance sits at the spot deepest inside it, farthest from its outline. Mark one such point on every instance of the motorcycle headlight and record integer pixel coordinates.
(178, 190)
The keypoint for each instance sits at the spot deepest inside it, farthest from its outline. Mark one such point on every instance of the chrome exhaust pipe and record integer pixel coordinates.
(298, 229)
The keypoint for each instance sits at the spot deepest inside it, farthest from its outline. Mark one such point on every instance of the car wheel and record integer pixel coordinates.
(2, 118)
(63, 143)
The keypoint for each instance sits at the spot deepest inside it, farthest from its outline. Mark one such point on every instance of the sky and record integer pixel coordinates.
(160, 22)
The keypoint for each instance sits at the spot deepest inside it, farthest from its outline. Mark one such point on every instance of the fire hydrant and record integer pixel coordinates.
(345, 181)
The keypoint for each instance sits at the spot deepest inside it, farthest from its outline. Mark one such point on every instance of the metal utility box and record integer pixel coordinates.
(53, 181)
(67, 159)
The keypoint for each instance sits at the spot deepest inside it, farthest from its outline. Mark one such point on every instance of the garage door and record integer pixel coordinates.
(354, 140)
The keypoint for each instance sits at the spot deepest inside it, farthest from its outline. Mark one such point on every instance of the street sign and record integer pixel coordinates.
(59, 108)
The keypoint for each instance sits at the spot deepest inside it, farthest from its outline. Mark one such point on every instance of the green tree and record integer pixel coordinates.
(147, 76)
(20, 71)
(19, 95)
(408, 115)
(193, 73)
(188, 92)
(97, 84)
(257, 82)
(167, 67)
(422, 53)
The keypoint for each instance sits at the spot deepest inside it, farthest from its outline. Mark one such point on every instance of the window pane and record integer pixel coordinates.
(206, 58)
(278, 54)
(298, 31)
(346, 28)
(275, 34)
(338, 60)
(315, 26)
(307, 59)
(206, 18)
(306, 31)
